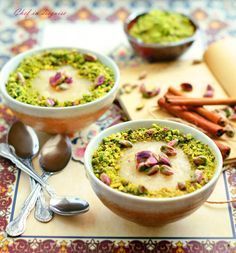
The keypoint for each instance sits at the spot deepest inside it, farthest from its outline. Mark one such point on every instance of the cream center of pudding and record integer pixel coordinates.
(180, 165)
(75, 90)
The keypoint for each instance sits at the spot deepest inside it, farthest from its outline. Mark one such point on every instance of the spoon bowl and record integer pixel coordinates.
(54, 156)
(67, 206)
(24, 140)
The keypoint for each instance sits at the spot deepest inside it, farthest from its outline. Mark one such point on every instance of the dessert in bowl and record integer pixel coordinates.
(160, 35)
(152, 172)
(59, 90)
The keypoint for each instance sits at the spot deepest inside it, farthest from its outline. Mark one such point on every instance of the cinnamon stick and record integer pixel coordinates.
(199, 101)
(213, 117)
(193, 118)
(225, 150)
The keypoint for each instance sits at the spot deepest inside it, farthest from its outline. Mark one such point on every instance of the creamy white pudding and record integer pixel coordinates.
(180, 166)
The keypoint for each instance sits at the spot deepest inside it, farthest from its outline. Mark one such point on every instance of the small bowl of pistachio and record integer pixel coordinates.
(160, 35)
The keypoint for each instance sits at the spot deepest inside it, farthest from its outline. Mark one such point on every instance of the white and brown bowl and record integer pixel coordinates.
(58, 119)
(144, 210)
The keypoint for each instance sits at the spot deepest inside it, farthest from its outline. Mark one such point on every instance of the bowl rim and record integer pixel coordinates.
(101, 135)
(136, 15)
(113, 67)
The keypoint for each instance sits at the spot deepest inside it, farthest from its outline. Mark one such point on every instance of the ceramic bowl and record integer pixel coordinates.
(58, 119)
(144, 210)
(154, 51)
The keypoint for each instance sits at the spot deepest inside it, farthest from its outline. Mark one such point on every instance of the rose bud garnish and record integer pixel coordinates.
(209, 91)
(145, 160)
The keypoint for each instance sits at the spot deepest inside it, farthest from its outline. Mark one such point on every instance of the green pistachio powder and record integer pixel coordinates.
(162, 27)
(106, 159)
(54, 59)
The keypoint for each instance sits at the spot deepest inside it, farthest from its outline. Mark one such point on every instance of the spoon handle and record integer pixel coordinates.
(42, 211)
(6, 152)
(17, 226)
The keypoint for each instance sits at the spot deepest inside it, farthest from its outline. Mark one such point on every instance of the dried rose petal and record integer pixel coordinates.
(90, 57)
(60, 79)
(56, 79)
(208, 94)
(151, 161)
(209, 91)
(166, 170)
(50, 102)
(105, 179)
(173, 143)
(163, 159)
(186, 86)
(69, 80)
(168, 150)
(200, 160)
(100, 80)
(148, 93)
(142, 156)
(181, 186)
(145, 160)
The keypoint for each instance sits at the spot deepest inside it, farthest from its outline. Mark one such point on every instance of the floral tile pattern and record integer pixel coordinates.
(20, 32)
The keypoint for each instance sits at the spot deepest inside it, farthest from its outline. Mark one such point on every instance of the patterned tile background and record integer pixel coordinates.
(20, 32)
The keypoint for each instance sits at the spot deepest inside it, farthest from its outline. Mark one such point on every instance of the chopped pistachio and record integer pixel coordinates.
(53, 59)
(106, 159)
(162, 27)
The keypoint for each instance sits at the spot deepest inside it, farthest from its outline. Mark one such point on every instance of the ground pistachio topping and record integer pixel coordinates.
(19, 84)
(159, 26)
(106, 166)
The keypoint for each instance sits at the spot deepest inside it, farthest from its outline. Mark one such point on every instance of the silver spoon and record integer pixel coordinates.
(49, 158)
(26, 144)
(51, 161)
